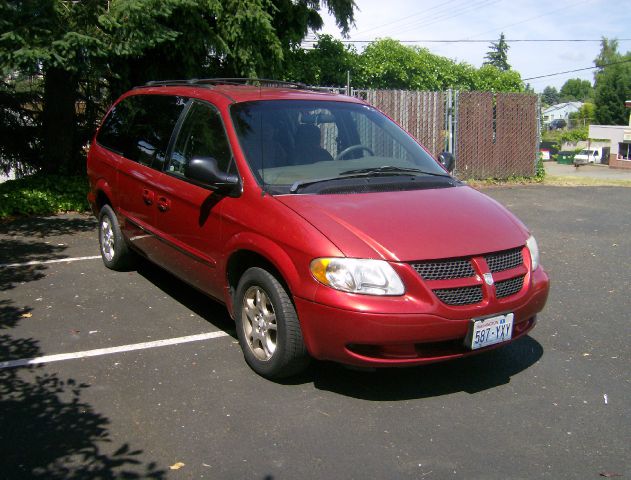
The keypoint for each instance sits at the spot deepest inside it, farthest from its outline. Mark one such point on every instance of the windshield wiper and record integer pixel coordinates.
(303, 183)
(363, 173)
(388, 169)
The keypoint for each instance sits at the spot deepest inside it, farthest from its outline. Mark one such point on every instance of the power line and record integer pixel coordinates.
(550, 12)
(525, 40)
(408, 17)
(447, 15)
(577, 70)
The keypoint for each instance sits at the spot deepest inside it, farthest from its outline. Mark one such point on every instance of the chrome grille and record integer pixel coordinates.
(500, 261)
(460, 295)
(506, 288)
(444, 269)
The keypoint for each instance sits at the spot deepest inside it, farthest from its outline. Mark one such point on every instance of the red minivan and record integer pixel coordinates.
(326, 230)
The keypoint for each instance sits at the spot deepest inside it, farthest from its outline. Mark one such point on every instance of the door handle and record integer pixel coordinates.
(164, 204)
(147, 196)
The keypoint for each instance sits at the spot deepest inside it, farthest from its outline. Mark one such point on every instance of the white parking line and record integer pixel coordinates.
(42, 262)
(106, 351)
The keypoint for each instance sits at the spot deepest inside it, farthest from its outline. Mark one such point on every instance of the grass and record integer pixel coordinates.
(43, 194)
(552, 180)
(586, 182)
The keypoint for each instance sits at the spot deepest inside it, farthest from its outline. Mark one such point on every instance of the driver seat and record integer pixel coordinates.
(308, 149)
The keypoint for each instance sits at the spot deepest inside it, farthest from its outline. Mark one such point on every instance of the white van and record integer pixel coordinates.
(592, 155)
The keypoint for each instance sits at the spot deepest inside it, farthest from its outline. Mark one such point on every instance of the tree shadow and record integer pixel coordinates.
(18, 251)
(19, 245)
(46, 430)
(48, 226)
(471, 375)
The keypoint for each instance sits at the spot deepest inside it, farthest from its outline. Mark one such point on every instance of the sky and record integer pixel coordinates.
(486, 19)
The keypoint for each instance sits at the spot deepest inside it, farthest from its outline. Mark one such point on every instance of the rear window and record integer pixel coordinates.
(140, 127)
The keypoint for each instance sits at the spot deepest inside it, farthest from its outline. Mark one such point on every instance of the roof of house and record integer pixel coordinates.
(559, 106)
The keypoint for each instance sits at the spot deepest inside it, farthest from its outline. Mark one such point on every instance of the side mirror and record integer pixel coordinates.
(447, 160)
(204, 172)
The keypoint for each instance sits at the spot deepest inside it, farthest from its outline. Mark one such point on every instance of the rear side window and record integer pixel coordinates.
(140, 127)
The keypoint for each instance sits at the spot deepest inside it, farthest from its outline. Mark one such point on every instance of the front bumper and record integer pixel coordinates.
(365, 338)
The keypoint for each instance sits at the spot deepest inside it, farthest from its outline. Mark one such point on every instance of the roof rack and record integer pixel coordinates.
(258, 82)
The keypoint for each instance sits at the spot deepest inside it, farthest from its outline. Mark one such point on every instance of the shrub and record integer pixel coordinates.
(43, 194)
(540, 169)
(574, 136)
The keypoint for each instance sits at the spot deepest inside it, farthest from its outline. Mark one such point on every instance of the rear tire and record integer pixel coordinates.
(115, 253)
(268, 327)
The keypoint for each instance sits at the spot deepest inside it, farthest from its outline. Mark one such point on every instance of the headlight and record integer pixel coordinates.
(531, 243)
(368, 277)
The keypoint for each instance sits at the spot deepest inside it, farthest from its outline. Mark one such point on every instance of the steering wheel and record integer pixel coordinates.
(352, 148)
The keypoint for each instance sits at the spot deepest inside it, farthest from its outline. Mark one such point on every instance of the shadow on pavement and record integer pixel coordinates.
(210, 310)
(470, 375)
(19, 244)
(46, 430)
(48, 226)
(17, 251)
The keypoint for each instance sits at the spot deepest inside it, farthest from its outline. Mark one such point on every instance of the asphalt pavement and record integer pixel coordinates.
(555, 404)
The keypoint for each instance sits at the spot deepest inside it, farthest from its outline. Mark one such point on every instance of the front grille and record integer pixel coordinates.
(460, 295)
(445, 269)
(453, 270)
(500, 261)
(506, 288)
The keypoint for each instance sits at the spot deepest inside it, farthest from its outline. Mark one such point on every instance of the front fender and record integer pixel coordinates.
(292, 264)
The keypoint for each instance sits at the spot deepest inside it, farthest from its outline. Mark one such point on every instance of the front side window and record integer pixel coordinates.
(201, 135)
(291, 143)
(140, 127)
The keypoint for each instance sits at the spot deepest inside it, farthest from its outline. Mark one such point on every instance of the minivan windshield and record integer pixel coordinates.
(293, 143)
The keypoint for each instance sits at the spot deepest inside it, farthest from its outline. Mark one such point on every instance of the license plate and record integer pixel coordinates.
(489, 331)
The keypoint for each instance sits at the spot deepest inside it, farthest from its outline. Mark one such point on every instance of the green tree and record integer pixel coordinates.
(388, 64)
(576, 89)
(550, 95)
(612, 86)
(498, 54)
(326, 64)
(88, 52)
(585, 115)
(53, 41)
(497, 80)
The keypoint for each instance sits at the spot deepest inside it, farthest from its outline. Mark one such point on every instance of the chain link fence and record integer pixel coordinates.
(492, 135)
(496, 135)
(422, 114)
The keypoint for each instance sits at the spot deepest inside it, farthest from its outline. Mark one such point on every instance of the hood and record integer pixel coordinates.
(411, 225)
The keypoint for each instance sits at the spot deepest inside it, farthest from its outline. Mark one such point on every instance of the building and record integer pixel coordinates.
(560, 111)
(618, 138)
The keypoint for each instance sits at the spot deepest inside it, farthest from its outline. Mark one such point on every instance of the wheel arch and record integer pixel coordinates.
(102, 196)
(256, 251)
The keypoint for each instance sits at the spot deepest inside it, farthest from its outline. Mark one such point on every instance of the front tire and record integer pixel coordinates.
(268, 327)
(114, 250)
